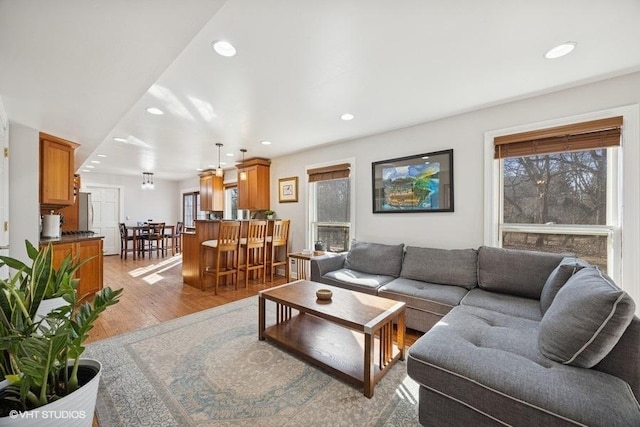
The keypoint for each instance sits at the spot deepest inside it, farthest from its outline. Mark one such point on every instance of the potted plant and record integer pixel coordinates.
(269, 214)
(40, 354)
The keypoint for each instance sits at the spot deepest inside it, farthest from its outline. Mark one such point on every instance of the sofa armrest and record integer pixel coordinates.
(321, 265)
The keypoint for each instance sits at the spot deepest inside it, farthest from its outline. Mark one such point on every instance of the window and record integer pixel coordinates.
(558, 191)
(231, 202)
(191, 209)
(330, 206)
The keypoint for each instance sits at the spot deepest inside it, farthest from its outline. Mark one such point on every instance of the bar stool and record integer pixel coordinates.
(279, 238)
(253, 247)
(227, 243)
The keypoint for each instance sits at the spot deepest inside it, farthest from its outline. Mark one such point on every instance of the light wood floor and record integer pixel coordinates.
(143, 304)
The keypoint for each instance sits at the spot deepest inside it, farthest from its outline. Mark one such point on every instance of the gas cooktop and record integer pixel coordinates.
(78, 233)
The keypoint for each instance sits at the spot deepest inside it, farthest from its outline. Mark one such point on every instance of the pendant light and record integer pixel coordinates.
(147, 181)
(219, 171)
(243, 173)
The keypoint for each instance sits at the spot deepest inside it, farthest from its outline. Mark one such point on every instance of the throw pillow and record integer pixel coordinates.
(558, 277)
(585, 320)
(375, 258)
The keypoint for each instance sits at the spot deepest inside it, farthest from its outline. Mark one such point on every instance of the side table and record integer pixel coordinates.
(303, 264)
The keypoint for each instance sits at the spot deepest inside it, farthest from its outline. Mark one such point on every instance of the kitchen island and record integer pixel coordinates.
(192, 242)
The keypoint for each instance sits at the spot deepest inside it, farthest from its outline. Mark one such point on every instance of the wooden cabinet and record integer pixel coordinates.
(253, 193)
(91, 273)
(57, 165)
(211, 192)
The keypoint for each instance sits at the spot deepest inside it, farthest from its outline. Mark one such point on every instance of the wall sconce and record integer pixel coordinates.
(147, 181)
(243, 173)
(219, 171)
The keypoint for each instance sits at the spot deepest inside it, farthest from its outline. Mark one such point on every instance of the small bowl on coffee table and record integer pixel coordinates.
(324, 294)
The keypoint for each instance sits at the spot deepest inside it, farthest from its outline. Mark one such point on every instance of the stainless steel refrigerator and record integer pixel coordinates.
(85, 212)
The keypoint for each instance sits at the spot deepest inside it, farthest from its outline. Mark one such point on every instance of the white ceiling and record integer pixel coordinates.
(86, 70)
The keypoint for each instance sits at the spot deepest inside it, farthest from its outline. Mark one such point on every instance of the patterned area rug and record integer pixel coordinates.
(209, 368)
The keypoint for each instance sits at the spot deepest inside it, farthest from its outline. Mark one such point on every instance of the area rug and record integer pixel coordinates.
(209, 368)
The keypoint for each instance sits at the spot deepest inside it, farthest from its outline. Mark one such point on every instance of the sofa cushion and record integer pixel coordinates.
(513, 271)
(512, 305)
(375, 258)
(444, 266)
(558, 277)
(490, 362)
(425, 296)
(356, 280)
(585, 320)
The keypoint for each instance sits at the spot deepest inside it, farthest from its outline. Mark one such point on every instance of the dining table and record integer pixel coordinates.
(138, 232)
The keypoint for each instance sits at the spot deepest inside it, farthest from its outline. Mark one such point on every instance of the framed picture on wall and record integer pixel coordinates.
(419, 183)
(288, 189)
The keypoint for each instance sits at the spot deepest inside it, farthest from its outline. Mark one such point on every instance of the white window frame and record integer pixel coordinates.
(624, 226)
(311, 206)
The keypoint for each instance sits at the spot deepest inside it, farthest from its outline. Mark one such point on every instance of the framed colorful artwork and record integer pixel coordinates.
(419, 183)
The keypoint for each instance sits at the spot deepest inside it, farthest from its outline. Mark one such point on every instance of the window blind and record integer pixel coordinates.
(589, 135)
(329, 172)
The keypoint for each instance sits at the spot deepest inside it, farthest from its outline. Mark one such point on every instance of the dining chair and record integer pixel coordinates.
(154, 238)
(125, 238)
(174, 240)
(227, 245)
(253, 247)
(279, 238)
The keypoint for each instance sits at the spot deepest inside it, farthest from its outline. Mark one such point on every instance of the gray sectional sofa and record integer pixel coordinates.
(512, 337)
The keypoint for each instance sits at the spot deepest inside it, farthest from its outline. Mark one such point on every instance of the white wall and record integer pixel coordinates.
(24, 203)
(161, 204)
(465, 134)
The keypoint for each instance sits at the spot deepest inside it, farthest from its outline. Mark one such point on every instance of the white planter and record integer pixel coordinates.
(73, 410)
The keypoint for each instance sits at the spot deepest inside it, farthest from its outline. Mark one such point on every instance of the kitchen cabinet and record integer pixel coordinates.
(57, 164)
(91, 273)
(211, 192)
(253, 193)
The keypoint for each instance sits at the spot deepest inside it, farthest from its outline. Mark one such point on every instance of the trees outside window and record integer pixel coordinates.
(330, 210)
(558, 203)
(332, 214)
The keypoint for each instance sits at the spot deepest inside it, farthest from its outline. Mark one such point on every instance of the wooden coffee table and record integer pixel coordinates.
(351, 335)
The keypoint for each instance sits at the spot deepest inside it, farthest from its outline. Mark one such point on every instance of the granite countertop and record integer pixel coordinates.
(69, 239)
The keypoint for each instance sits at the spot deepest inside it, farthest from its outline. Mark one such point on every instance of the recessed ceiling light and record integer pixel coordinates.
(265, 142)
(86, 170)
(230, 154)
(119, 139)
(95, 161)
(560, 50)
(102, 155)
(223, 163)
(199, 170)
(347, 116)
(154, 110)
(224, 48)
(90, 166)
